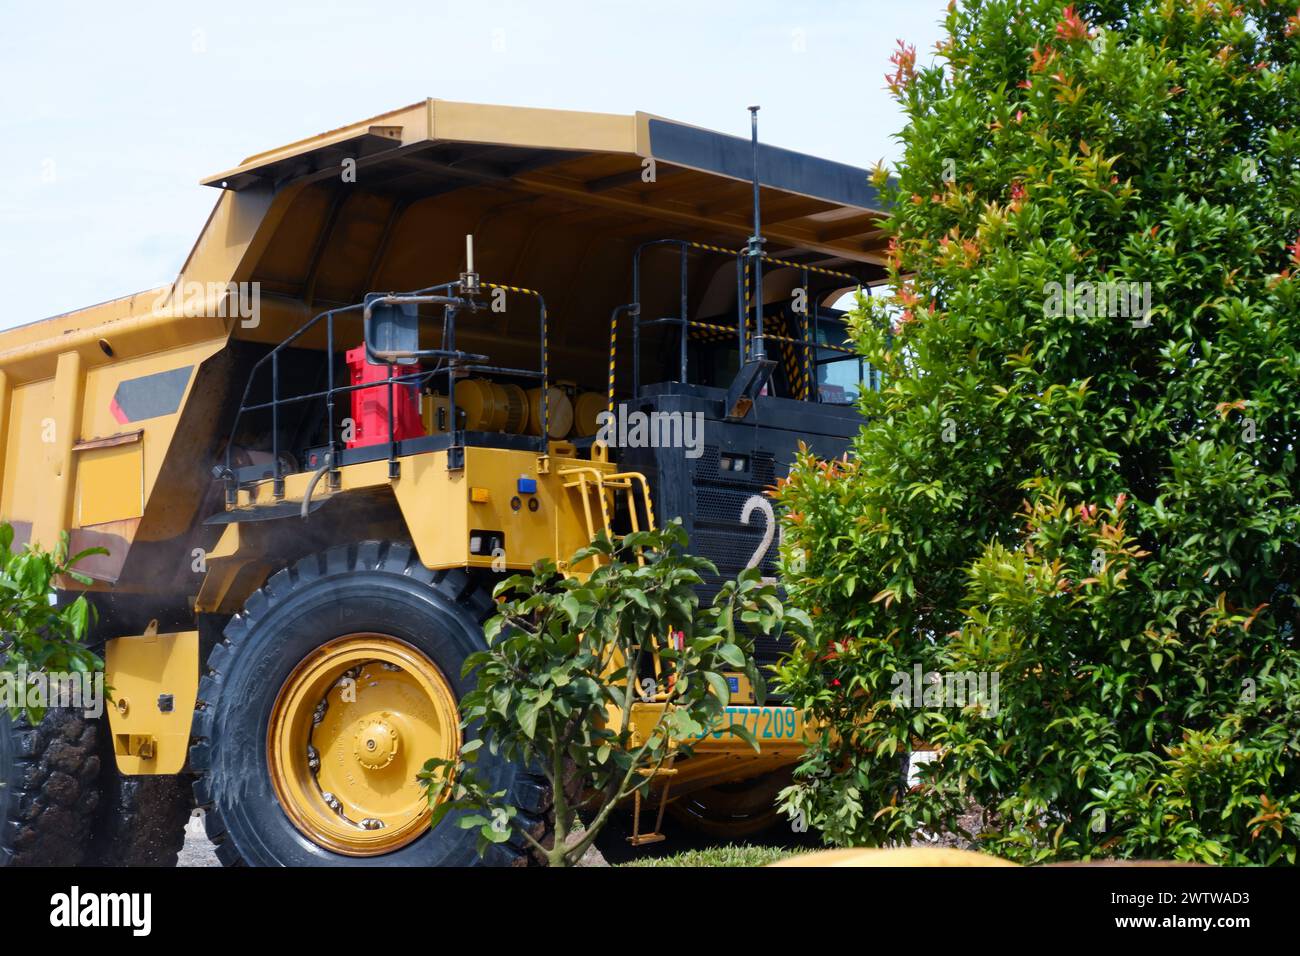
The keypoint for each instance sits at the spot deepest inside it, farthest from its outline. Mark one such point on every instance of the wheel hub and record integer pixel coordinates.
(349, 733)
(377, 742)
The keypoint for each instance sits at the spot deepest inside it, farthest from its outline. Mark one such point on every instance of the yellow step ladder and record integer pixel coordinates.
(589, 481)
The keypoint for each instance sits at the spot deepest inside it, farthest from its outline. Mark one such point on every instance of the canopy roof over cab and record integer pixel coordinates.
(564, 160)
(556, 200)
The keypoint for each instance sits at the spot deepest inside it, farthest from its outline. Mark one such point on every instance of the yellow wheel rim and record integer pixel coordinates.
(350, 730)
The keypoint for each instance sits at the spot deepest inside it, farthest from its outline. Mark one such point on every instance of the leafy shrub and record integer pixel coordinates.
(36, 636)
(1098, 508)
(567, 658)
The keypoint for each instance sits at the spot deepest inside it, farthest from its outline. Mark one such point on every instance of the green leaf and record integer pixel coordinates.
(719, 686)
(732, 654)
(744, 734)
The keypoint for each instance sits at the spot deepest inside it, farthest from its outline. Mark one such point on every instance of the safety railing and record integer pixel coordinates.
(749, 342)
(452, 364)
(588, 480)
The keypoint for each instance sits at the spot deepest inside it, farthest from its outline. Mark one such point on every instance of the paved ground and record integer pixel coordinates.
(197, 850)
(612, 847)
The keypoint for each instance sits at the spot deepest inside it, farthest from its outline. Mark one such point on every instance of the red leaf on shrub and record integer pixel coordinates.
(1072, 26)
(904, 61)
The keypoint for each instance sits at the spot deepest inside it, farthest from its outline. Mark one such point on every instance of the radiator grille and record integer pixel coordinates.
(719, 534)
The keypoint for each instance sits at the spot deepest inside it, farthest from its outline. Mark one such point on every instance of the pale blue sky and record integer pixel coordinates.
(110, 113)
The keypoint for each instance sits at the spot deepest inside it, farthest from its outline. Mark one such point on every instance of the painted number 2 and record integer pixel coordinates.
(759, 503)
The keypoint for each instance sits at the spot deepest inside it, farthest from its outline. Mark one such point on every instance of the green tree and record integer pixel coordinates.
(1084, 487)
(35, 635)
(569, 656)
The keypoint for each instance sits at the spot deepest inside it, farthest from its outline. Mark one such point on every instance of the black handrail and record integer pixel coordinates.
(458, 363)
(743, 257)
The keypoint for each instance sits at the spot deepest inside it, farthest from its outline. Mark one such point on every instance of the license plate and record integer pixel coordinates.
(764, 723)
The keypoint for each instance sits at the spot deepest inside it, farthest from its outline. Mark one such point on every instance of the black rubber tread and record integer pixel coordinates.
(317, 578)
(141, 820)
(753, 814)
(50, 777)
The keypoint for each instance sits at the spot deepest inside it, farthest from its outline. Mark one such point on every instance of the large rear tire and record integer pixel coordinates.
(49, 789)
(294, 772)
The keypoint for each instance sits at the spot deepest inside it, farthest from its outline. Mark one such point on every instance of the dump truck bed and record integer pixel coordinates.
(112, 416)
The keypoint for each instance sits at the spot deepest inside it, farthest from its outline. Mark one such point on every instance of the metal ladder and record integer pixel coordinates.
(586, 480)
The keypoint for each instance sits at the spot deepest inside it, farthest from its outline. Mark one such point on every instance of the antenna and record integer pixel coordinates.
(755, 367)
(755, 249)
(469, 278)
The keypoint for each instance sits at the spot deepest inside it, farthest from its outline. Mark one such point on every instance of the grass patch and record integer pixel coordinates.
(733, 855)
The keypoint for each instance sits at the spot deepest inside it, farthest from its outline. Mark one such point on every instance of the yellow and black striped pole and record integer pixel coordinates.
(632, 309)
(545, 370)
(613, 358)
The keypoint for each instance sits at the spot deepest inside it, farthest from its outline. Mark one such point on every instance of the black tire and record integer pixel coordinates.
(141, 820)
(734, 811)
(49, 789)
(372, 586)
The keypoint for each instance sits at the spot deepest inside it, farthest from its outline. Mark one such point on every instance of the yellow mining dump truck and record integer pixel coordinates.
(310, 456)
